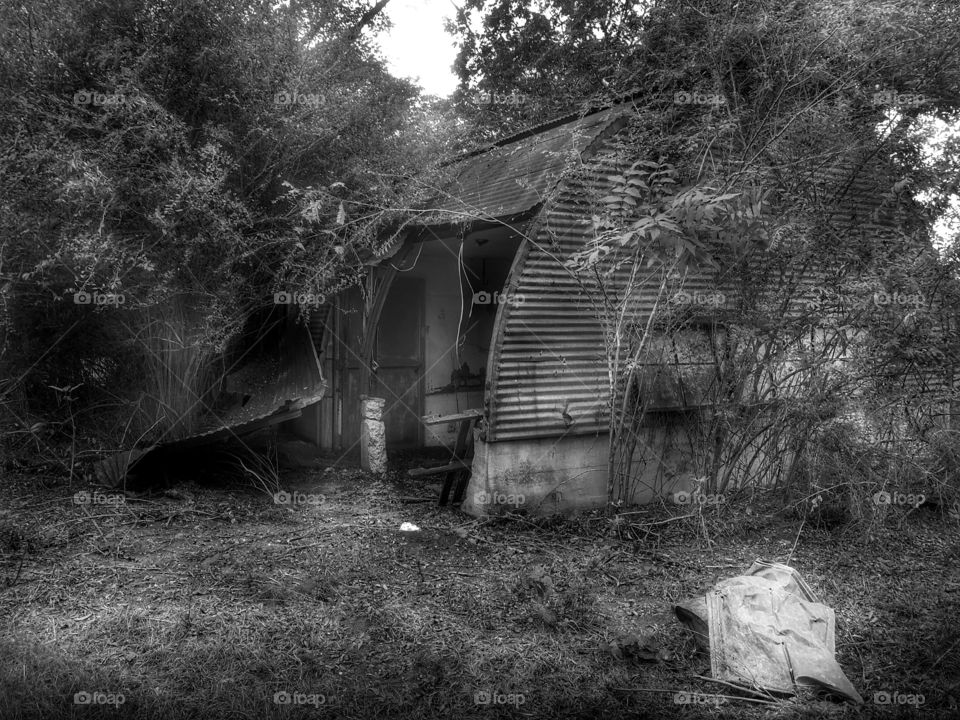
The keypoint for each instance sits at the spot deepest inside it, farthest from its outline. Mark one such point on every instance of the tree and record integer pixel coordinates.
(152, 150)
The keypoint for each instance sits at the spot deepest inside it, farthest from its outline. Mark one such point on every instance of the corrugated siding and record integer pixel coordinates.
(551, 368)
(550, 365)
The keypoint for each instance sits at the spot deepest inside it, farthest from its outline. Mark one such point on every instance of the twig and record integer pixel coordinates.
(945, 653)
(661, 522)
(181, 512)
(11, 583)
(692, 692)
(303, 547)
(759, 692)
(800, 530)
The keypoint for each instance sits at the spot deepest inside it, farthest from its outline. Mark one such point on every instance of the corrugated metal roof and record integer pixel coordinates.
(513, 178)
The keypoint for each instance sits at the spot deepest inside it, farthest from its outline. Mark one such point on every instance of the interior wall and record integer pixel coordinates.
(454, 371)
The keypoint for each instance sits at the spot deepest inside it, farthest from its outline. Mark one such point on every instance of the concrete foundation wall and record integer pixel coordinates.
(547, 476)
(560, 475)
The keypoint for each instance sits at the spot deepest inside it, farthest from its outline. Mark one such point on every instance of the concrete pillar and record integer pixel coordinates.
(373, 436)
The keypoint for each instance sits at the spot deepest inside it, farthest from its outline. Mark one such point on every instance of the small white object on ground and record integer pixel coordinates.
(409, 527)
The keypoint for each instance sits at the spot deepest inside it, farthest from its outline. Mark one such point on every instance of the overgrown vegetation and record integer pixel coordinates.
(166, 169)
(765, 179)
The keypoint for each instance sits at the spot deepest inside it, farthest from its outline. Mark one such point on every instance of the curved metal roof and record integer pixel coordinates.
(512, 178)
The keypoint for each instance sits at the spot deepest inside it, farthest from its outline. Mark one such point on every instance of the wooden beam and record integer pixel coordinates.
(456, 417)
(426, 472)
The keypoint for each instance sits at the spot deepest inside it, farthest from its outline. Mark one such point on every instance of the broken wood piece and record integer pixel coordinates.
(426, 472)
(455, 417)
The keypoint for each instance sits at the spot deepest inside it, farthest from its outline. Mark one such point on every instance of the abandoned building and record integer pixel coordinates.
(469, 323)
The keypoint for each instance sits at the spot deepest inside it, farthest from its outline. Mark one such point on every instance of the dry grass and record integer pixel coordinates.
(205, 602)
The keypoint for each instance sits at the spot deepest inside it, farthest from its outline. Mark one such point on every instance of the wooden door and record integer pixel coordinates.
(347, 384)
(399, 362)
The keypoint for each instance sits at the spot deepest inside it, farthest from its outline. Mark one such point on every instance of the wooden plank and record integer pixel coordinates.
(426, 472)
(456, 417)
(460, 449)
(460, 489)
(464, 447)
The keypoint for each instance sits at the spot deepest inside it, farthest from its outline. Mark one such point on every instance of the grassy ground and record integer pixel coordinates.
(208, 601)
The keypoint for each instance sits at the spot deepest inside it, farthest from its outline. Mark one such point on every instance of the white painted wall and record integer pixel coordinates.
(449, 313)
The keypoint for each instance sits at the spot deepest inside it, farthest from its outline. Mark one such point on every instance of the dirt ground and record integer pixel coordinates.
(214, 601)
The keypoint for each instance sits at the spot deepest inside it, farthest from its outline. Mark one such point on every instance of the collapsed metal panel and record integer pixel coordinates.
(263, 392)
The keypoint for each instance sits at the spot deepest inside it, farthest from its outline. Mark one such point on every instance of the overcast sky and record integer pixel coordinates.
(417, 46)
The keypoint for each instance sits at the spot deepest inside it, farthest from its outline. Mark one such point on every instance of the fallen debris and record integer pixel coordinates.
(766, 630)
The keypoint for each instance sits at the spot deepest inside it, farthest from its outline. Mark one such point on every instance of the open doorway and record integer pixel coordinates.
(435, 332)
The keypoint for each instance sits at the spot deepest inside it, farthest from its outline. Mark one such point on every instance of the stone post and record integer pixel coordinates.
(373, 438)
